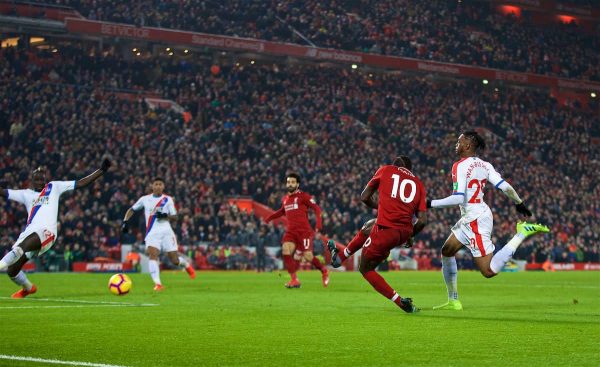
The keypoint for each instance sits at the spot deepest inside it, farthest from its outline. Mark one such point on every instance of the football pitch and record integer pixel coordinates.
(244, 318)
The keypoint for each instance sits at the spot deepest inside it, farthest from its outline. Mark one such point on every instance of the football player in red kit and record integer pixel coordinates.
(297, 242)
(401, 197)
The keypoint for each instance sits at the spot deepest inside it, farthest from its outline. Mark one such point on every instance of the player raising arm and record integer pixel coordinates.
(474, 229)
(41, 230)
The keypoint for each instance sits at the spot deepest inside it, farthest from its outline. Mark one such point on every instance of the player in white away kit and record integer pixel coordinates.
(474, 228)
(159, 209)
(41, 230)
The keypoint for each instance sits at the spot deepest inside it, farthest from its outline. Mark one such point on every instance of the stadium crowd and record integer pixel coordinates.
(472, 33)
(254, 123)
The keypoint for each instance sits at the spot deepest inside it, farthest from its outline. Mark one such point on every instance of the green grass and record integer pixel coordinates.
(231, 318)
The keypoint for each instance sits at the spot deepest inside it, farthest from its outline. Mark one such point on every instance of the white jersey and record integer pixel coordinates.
(42, 206)
(156, 204)
(469, 177)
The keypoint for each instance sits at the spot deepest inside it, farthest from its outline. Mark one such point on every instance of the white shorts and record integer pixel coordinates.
(476, 235)
(47, 238)
(164, 241)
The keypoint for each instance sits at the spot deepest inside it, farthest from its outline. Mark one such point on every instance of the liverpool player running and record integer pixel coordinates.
(474, 228)
(159, 210)
(41, 230)
(297, 242)
(401, 197)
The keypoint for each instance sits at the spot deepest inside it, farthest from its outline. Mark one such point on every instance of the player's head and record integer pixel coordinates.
(403, 161)
(469, 143)
(292, 181)
(38, 178)
(158, 186)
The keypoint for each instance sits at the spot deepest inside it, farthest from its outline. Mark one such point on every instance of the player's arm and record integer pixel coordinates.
(279, 213)
(420, 224)
(452, 200)
(421, 212)
(129, 213)
(311, 204)
(87, 180)
(459, 190)
(509, 191)
(125, 223)
(367, 196)
(170, 217)
(170, 214)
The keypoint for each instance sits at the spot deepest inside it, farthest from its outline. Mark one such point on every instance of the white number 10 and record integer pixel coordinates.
(396, 192)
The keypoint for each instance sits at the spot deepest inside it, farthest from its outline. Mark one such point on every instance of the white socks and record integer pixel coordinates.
(450, 271)
(21, 280)
(183, 262)
(505, 254)
(154, 269)
(11, 257)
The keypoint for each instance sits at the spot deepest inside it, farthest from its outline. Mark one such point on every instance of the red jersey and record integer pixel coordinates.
(295, 207)
(401, 196)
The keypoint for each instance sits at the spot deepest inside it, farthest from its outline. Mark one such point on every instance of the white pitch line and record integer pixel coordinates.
(523, 285)
(66, 306)
(56, 361)
(59, 300)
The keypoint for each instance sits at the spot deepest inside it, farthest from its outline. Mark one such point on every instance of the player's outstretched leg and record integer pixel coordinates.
(338, 257)
(30, 243)
(182, 263)
(367, 269)
(324, 272)
(336, 261)
(524, 230)
(20, 278)
(11, 257)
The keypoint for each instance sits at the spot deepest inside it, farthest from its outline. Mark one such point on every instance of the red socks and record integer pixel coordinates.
(382, 286)
(290, 265)
(356, 244)
(317, 264)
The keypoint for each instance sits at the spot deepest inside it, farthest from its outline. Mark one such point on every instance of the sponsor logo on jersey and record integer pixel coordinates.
(293, 206)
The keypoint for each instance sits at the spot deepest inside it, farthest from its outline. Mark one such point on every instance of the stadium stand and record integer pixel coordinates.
(253, 122)
(471, 33)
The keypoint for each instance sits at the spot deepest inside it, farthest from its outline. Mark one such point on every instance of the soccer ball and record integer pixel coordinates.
(119, 284)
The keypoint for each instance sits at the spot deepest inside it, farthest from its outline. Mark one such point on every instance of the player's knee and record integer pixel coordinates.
(366, 228)
(12, 271)
(287, 248)
(364, 268)
(308, 256)
(447, 251)
(488, 273)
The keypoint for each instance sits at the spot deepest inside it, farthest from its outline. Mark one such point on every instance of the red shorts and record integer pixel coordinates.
(302, 240)
(382, 240)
